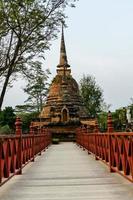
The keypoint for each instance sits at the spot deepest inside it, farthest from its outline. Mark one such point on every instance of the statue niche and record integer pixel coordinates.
(64, 115)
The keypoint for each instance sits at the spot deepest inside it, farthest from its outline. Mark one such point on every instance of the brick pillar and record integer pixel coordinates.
(43, 130)
(87, 129)
(110, 128)
(33, 141)
(96, 129)
(18, 125)
(18, 132)
(39, 130)
(83, 136)
(1, 143)
(31, 128)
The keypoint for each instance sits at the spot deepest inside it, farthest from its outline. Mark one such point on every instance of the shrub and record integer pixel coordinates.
(5, 130)
(55, 140)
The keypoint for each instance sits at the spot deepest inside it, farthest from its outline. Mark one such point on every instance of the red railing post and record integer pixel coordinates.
(77, 136)
(96, 146)
(0, 161)
(84, 138)
(44, 137)
(18, 125)
(110, 152)
(87, 130)
(47, 138)
(33, 141)
(96, 130)
(131, 153)
(110, 129)
(40, 141)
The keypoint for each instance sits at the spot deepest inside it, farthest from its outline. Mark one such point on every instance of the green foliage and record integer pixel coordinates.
(119, 119)
(28, 108)
(102, 121)
(5, 130)
(26, 120)
(131, 110)
(91, 94)
(8, 117)
(37, 87)
(55, 140)
(26, 30)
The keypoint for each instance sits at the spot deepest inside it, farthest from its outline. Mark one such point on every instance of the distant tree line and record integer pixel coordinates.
(8, 118)
(92, 96)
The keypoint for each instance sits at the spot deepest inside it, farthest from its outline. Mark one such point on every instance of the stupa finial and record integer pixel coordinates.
(63, 56)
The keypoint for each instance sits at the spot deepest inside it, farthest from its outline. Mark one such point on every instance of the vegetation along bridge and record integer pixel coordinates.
(65, 171)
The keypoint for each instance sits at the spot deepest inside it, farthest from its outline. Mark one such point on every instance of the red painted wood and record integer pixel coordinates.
(113, 148)
(17, 150)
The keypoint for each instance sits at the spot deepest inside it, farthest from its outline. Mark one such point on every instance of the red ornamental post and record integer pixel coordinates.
(40, 140)
(43, 130)
(38, 130)
(33, 141)
(83, 136)
(88, 144)
(110, 130)
(47, 137)
(96, 130)
(31, 128)
(110, 123)
(79, 136)
(0, 161)
(18, 125)
(44, 138)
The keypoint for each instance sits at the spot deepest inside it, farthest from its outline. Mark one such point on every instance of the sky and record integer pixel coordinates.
(99, 42)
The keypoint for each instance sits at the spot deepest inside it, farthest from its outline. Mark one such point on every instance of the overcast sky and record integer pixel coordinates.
(99, 41)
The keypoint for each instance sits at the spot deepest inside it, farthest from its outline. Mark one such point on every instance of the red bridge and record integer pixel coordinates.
(64, 171)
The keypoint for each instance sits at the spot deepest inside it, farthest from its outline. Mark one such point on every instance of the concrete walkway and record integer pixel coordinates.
(65, 172)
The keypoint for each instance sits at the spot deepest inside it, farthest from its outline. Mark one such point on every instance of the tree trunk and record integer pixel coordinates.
(10, 70)
(41, 103)
(5, 87)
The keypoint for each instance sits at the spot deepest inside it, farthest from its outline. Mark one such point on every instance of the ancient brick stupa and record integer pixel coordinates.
(63, 111)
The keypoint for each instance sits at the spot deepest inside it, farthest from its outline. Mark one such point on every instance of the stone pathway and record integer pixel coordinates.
(65, 172)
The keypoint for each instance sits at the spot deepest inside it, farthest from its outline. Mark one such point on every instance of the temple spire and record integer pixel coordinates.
(63, 56)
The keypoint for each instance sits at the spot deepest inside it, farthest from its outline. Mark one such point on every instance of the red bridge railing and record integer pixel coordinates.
(113, 148)
(17, 150)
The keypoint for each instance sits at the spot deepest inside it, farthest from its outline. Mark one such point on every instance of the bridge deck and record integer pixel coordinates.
(65, 172)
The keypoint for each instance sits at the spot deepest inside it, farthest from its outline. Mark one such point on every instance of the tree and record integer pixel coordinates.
(26, 120)
(102, 121)
(119, 119)
(91, 94)
(26, 29)
(37, 87)
(5, 130)
(26, 108)
(8, 117)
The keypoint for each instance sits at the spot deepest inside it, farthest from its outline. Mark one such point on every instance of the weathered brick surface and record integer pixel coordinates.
(63, 104)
